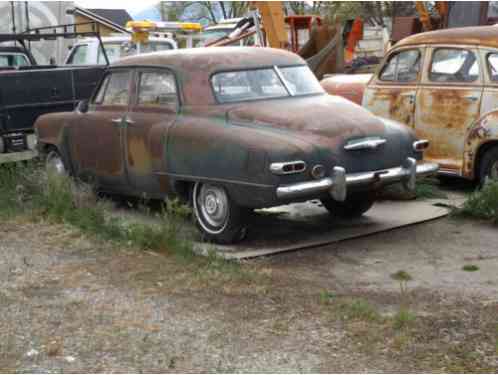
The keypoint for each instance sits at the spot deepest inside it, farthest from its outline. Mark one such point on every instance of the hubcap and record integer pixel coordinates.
(55, 165)
(213, 203)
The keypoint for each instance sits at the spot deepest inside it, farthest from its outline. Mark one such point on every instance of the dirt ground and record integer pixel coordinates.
(69, 303)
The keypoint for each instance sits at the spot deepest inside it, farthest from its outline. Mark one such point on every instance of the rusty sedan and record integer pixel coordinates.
(230, 129)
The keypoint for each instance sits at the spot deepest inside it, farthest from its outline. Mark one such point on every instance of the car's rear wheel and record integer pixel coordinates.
(54, 163)
(355, 205)
(218, 217)
(488, 168)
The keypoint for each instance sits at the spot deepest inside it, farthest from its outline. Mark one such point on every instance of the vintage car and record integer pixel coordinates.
(232, 129)
(444, 85)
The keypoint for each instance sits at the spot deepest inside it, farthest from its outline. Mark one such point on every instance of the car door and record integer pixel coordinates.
(98, 138)
(392, 93)
(448, 103)
(153, 112)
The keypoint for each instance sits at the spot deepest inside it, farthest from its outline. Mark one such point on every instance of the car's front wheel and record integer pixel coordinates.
(355, 205)
(54, 163)
(218, 217)
(489, 166)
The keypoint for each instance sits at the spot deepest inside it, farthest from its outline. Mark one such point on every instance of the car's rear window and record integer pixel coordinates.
(275, 82)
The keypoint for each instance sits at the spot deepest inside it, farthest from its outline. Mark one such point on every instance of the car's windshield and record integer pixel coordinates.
(117, 50)
(276, 82)
(13, 60)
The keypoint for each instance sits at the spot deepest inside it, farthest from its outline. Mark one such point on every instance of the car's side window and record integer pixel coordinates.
(453, 65)
(157, 89)
(402, 67)
(100, 94)
(78, 57)
(493, 66)
(115, 89)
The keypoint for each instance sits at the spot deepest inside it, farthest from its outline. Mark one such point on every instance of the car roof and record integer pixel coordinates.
(213, 59)
(476, 35)
(194, 66)
(121, 39)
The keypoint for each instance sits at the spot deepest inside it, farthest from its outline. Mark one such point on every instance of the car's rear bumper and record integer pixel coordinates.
(339, 181)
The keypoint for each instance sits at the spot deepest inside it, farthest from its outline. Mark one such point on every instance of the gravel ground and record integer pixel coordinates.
(74, 304)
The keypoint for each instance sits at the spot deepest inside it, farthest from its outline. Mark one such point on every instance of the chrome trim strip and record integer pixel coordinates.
(370, 144)
(200, 178)
(448, 172)
(337, 188)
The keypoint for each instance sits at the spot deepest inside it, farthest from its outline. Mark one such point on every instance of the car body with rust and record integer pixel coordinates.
(444, 85)
(232, 129)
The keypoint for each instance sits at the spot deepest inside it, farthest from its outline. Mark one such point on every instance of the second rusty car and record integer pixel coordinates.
(231, 129)
(444, 85)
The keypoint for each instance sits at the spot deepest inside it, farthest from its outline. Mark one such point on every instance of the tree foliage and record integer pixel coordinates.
(202, 11)
(215, 11)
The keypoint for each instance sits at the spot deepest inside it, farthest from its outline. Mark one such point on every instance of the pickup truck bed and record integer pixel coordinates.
(29, 92)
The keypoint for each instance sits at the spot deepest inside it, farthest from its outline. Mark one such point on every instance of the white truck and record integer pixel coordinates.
(87, 51)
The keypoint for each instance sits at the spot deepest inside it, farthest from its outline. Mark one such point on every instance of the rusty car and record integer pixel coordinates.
(231, 129)
(444, 85)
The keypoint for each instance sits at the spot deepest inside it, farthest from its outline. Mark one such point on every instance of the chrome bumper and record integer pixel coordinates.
(338, 183)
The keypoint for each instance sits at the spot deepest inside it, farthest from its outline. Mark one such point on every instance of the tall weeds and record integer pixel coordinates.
(482, 204)
(28, 190)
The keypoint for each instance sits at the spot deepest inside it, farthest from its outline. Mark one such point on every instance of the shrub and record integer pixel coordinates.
(482, 204)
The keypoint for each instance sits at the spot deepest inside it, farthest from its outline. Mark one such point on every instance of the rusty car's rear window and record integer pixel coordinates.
(265, 83)
(403, 66)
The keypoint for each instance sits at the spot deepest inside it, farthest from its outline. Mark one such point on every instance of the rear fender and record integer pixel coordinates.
(349, 86)
(483, 132)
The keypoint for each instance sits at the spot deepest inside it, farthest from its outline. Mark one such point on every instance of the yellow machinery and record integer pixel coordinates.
(273, 20)
(142, 29)
(425, 17)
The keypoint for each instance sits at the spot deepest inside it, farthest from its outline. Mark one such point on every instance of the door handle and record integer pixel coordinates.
(471, 98)
(407, 95)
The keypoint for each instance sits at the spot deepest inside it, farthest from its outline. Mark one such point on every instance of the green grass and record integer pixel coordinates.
(358, 309)
(326, 297)
(427, 189)
(403, 318)
(482, 204)
(28, 190)
(470, 268)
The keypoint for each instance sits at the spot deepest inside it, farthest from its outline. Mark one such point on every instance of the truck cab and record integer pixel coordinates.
(87, 51)
(13, 57)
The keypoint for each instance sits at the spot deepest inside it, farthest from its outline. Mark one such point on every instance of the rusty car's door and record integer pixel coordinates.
(392, 93)
(154, 110)
(98, 136)
(448, 103)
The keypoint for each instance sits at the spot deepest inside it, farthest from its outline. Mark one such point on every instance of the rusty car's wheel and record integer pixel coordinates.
(489, 166)
(54, 163)
(355, 205)
(217, 216)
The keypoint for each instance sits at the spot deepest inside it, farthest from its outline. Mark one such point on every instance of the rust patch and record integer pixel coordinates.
(485, 130)
(444, 116)
(394, 103)
(138, 155)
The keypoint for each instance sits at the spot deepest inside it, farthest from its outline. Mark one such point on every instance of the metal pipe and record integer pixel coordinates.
(12, 10)
(26, 12)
